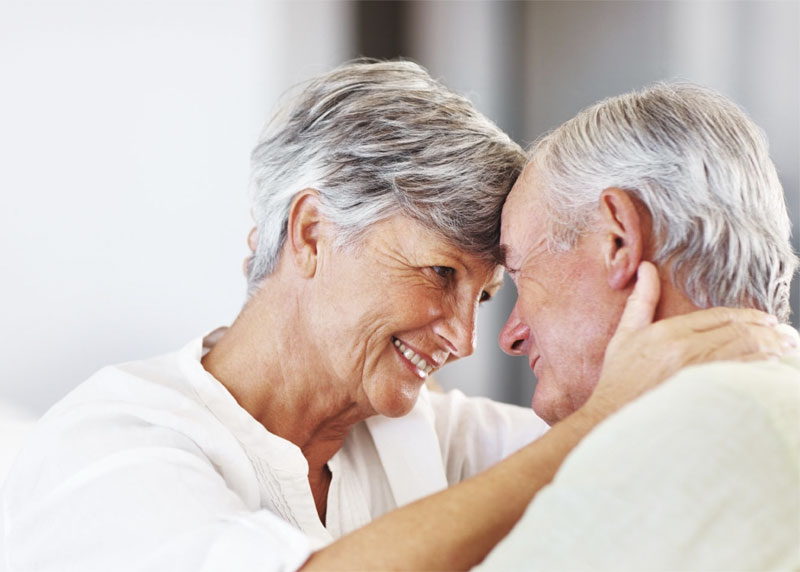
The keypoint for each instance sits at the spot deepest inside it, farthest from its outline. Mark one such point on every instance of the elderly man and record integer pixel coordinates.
(702, 473)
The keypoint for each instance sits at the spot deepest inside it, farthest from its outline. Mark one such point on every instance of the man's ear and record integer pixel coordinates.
(302, 231)
(623, 227)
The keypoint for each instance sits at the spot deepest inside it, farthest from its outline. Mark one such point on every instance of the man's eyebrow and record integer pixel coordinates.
(499, 253)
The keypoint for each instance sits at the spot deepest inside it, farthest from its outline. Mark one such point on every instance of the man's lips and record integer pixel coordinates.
(533, 362)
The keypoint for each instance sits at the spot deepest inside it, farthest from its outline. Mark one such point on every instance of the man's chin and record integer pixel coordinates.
(550, 408)
(544, 409)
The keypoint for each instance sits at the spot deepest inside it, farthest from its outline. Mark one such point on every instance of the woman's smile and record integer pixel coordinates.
(419, 365)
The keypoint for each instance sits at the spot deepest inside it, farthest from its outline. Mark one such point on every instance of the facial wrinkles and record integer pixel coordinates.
(355, 360)
(399, 265)
(532, 295)
(337, 397)
(527, 268)
(376, 335)
(456, 296)
(467, 273)
(352, 334)
(420, 285)
(517, 244)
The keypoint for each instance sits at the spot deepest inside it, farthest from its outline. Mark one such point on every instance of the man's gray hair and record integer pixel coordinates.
(701, 167)
(377, 139)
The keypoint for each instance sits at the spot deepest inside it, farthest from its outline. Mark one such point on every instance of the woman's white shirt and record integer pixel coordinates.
(153, 464)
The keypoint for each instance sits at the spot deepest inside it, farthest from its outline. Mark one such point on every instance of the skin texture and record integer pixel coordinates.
(570, 302)
(433, 291)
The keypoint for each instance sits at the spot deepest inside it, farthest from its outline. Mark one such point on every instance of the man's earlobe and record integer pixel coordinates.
(302, 234)
(624, 243)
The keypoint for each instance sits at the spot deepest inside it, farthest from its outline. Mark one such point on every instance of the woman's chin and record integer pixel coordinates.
(398, 402)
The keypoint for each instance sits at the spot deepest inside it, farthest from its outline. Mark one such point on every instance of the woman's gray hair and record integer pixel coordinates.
(701, 167)
(377, 139)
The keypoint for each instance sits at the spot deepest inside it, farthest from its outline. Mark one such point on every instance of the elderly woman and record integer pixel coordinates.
(377, 195)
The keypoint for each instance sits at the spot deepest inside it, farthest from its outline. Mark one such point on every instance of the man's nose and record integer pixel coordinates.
(515, 336)
(458, 329)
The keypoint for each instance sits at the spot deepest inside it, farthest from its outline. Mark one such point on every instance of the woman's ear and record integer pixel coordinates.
(624, 226)
(302, 231)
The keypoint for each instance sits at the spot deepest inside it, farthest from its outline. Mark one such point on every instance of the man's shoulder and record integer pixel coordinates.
(779, 375)
(700, 473)
(755, 379)
(717, 425)
(723, 391)
(707, 404)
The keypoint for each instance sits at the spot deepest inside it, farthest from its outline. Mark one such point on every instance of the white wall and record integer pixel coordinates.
(125, 133)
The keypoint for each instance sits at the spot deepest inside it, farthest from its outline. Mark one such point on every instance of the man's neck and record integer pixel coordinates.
(673, 302)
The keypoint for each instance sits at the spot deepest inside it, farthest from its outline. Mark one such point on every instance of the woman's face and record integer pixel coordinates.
(393, 309)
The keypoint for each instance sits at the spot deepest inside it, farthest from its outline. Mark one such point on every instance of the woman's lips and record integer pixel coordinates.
(420, 364)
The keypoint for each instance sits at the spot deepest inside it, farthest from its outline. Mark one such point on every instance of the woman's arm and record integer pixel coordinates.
(456, 528)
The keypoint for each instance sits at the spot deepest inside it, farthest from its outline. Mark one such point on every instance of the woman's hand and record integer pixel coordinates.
(644, 353)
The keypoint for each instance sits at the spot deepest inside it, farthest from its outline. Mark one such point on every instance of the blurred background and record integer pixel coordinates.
(126, 128)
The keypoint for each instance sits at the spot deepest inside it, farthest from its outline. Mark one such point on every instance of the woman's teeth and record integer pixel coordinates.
(413, 357)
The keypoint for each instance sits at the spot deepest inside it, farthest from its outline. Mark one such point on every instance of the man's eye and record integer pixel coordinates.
(444, 271)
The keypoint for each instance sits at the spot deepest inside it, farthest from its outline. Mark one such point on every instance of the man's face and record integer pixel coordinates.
(565, 312)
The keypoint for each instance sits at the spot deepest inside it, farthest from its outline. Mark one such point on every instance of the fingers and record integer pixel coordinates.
(641, 304)
(704, 320)
(734, 341)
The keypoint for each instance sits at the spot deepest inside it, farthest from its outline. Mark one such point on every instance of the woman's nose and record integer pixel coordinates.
(458, 331)
(515, 335)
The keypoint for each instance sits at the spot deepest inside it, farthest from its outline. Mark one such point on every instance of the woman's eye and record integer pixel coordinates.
(444, 271)
(485, 296)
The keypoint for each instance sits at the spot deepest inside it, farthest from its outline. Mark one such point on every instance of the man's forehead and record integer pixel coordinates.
(519, 218)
